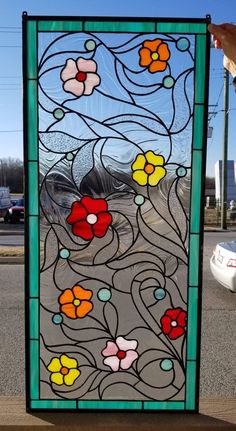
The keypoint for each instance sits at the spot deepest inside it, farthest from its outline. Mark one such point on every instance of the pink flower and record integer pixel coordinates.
(120, 354)
(80, 76)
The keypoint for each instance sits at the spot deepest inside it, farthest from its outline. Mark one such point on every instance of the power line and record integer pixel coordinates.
(6, 77)
(2, 26)
(17, 88)
(12, 32)
(216, 104)
(11, 131)
(10, 46)
(9, 83)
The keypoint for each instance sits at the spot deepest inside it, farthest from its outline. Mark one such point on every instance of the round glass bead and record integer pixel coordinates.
(104, 294)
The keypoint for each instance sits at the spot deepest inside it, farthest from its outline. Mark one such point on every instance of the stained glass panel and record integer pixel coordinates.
(115, 129)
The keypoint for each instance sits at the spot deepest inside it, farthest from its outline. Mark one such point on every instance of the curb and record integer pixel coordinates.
(215, 229)
(8, 260)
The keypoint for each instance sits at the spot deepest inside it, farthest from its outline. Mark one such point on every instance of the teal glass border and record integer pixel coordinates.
(31, 40)
(53, 404)
(196, 189)
(181, 27)
(110, 405)
(133, 26)
(200, 68)
(32, 28)
(34, 369)
(32, 114)
(32, 210)
(60, 26)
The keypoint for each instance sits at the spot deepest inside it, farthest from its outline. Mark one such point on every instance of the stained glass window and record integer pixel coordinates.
(115, 129)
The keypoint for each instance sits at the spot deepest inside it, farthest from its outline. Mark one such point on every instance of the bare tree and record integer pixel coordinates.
(210, 183)
(12, 174)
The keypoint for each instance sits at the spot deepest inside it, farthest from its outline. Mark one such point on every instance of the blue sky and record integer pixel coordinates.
(11, 142)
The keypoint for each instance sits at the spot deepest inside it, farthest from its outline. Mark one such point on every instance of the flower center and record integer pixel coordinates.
(81, 76)
(174, 323)
(76, 302)
(92, 218)
(121, 354)
(64, 371)
(149, 169)
(155, 56)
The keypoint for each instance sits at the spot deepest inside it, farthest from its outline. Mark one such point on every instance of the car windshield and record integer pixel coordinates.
(20, 202)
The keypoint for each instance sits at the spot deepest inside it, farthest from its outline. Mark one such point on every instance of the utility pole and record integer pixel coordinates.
(225, 153)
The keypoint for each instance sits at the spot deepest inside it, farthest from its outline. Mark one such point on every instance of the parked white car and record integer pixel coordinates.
(223, 264)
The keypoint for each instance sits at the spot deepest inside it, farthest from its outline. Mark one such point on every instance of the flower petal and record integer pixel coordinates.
(176, 332)
(78, 212)
(157, 175)
(140, 177)
(94, 206)
(86, 65)
(68, 362)
(74, 87)
(125, 345)
(111, 349)
(113, 362)
(92, 80)
(70, 378)
(57, 378)
(166, 324)
(84, 308)
(139, 162)
(69, 310)
(70, 70)
(83, 229)
(126, 363)
(54, 365)
(163, 51)
(66, 297)
(157, 66)
(103, 222)
(173, 312)
(152, 44)
(154, 159)
(81, 293)
(145, 57)
(182, 319)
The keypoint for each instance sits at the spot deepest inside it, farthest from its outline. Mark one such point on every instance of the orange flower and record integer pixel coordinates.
(154, 54)
(76, 302)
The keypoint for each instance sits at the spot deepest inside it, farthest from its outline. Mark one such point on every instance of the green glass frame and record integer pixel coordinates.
(198, 27)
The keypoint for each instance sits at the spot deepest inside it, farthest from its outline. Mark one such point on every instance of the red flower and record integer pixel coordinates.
(173, 322)
(89, 217)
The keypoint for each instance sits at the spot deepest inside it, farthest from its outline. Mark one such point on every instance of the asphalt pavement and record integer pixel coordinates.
(11, 240)
(218, 352)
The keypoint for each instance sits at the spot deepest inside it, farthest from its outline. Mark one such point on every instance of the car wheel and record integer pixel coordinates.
(232, 291)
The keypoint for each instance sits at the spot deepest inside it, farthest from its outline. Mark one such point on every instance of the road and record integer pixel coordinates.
(218, 330)
(11, 240)
(11, 235)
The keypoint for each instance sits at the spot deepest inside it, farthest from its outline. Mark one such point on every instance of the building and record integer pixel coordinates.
(231, 181)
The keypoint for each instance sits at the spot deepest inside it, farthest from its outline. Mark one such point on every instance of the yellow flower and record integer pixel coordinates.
(148, 169)
(64, 370)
